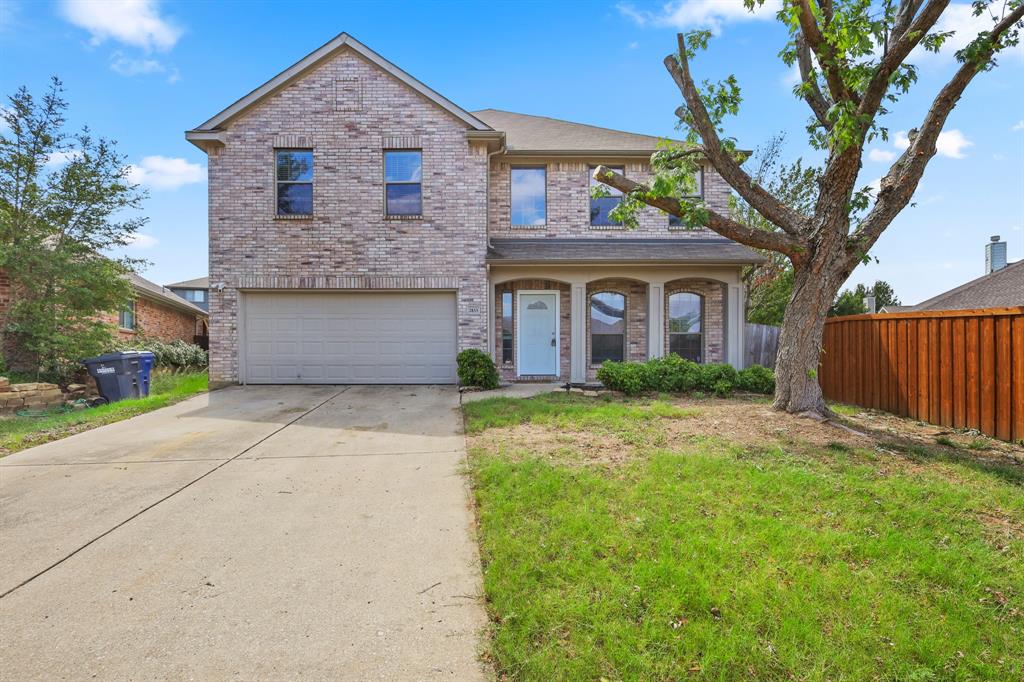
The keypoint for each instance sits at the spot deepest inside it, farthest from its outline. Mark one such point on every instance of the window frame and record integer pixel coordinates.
(278, 182)
(668, 323)
(700, 194)
(590, 326)
(511, 197)
(384, 170)
(508, 352)
(128, 313)
(590, 200)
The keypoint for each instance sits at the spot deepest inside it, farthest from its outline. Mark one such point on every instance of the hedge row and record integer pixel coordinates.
(673, 374)
(174, 355)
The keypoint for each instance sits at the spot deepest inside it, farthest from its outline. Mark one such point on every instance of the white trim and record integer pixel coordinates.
(558, 330)
(315, 57)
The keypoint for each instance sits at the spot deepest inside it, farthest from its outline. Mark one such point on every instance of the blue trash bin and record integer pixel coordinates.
(146, 362)
(116, 374)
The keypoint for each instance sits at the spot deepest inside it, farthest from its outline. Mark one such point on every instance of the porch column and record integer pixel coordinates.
(655, 319)
(577, 332)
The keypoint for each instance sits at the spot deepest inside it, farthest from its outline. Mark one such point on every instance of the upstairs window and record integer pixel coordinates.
(403, 183)
(607, 327)
(294, 182)
(685, 312)
(529, 196)
(697, 192)
(126, 318)
(600, 208)
(195, 295)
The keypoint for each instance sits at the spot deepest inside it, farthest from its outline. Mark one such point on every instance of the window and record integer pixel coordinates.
(195, 295)
(507, 349)
(600, 208)
(685, 312)
(607, 327)
(294, 182)
(529, 196)
(403, 183)
(674, 221)
(126, 319)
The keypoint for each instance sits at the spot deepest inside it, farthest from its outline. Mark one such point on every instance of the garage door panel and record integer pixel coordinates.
(372, 337)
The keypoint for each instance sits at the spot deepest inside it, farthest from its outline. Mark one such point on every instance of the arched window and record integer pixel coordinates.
(607, 327)
(685, 312)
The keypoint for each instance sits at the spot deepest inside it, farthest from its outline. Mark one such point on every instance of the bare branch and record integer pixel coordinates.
(899, 184)
(727, 227)
(815, 99)
(767, 205)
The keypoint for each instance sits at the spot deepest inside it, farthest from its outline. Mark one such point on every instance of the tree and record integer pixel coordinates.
(61, 198)
(852, 58)
(851, 302)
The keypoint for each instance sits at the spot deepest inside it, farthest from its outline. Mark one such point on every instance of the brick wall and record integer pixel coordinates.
(568, 203)
(713, 318)
(158, 321)
(348, 240)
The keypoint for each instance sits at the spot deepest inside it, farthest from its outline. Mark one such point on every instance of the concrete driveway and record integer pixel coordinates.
(253, 533)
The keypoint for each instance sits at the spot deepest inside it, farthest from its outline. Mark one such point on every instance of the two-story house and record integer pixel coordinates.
(364, 229)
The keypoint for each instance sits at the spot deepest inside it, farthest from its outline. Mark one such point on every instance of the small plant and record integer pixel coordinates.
(944, 440)
(979, 444)
(475, 368)
(756, 379)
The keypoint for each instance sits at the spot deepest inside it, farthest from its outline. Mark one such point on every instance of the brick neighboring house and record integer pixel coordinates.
(155, 311)
(195, 291)
(364, 228)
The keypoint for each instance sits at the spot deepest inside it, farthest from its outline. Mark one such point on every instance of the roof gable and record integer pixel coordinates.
(310, 61)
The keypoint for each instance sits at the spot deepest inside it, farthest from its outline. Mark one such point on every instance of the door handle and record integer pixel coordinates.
(552, 343)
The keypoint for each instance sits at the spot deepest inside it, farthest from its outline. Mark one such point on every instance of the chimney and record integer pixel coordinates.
(995, 254)
(869, 303)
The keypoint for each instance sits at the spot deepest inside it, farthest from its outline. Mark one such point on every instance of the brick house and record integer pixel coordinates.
(364, 228)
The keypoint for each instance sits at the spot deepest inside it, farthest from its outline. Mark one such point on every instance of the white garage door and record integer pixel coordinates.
(350, 338)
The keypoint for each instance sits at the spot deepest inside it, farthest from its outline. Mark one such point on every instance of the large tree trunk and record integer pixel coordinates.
(796, 366)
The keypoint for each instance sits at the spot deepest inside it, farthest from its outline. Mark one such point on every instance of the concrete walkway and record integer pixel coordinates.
(257, 533)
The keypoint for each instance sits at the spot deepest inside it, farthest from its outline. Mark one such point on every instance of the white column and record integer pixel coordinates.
(578, 330)
(655, 319)
(734, 325)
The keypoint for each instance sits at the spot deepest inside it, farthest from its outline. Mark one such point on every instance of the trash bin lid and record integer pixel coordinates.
(112, 357)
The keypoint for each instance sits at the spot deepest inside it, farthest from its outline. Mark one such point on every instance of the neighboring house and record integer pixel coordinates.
(195, 291)
(159, 314)
(364, 228)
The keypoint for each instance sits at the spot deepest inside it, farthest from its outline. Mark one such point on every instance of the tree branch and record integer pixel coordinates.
(825, 52)
(899, 184)
(763, 202)
(815, 99)
(727, 227)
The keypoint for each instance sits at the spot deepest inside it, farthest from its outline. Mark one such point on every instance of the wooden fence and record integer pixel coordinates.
(760, 344)
(956, 368)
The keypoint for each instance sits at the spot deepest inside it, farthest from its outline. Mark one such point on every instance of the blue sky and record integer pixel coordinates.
(142, 72)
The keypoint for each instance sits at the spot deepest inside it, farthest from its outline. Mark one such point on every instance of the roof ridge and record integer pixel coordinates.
(575, 123)
(967, 284)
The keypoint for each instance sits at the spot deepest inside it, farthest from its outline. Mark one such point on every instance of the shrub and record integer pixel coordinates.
(177, 354)
(476, 368)
(670, 374)
(631, 378)
(717, 378)
(756, 379)
(673, 374)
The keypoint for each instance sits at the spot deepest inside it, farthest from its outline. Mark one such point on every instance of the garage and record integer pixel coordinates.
(349, 338)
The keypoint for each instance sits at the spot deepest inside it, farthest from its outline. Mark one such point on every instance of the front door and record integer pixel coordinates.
(538, 333)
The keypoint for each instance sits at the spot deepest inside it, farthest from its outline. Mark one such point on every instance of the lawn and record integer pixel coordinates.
(673, 539)
(18, 433)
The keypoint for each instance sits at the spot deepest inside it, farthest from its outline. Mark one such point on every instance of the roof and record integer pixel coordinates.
(1002, 288)
(314, 58)
(705, 251)
(524, 132)
(197, 283)
(151, 290)
(895, 308)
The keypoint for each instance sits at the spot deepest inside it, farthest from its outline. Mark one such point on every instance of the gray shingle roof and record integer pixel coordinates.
(620, 250)
(197, 283)
(144, 287)
(524, 132)
(1000, 289)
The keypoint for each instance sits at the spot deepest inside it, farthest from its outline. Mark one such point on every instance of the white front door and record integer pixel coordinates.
(538, 333)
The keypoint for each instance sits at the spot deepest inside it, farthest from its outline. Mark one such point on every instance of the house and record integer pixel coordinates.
(1002, 286)
(159, 314)
(364, 228)
(195, 291)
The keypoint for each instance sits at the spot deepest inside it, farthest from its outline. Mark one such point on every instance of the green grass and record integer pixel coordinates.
(18, 433)
(710, 561)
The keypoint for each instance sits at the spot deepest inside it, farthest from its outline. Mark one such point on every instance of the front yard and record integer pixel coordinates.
(673, 538)
(18, 433)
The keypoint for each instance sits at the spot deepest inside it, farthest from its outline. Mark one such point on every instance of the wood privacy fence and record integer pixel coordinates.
(956, 368)
(760, 344)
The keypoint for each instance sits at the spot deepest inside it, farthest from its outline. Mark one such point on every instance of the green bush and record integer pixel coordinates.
(670, 374)
(756, 379)
(177, 354)
(476, 368)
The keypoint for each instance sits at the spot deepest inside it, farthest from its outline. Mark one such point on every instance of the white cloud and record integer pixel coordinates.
(881, 155)
(633, 45)
(161, 172)
(58, 159)
(959, 18)
(1019, 125)
(875, 186)
(132, 22)
(142, 241)
(126, 66)
(711, 14)
(999, 157)
(792, 77)
(951, 143)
